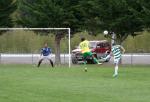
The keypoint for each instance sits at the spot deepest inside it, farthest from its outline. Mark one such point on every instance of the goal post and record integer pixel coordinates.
(68, 29)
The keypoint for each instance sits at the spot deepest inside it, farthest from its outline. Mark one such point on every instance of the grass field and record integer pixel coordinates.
(25, 83)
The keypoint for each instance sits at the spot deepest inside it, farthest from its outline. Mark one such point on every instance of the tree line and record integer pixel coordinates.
(124, 17)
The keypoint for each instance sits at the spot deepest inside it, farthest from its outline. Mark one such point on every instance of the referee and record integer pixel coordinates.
(45, 54)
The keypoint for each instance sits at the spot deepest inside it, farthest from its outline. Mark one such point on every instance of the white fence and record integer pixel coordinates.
(132, 59)
(28, 58)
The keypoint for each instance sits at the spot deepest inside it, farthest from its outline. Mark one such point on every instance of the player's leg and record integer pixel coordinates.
(84, 58)
(116, 62)
(40, 61)
(116, 69)
(51, 62)
(94, 58)
(85, 55)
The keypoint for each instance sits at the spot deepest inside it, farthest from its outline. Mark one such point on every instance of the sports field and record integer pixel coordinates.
(26, 83)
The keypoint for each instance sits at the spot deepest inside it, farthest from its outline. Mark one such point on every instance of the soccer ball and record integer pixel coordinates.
(105, 32)
(85, 69)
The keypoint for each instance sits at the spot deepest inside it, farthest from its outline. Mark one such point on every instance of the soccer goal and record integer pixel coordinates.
(29, 30)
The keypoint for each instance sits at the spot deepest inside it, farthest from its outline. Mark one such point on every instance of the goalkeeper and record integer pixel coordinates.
(45, 54)
(84, 46)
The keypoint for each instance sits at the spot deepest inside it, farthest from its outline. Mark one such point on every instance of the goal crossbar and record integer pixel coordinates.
(34, 28)
(47, 29)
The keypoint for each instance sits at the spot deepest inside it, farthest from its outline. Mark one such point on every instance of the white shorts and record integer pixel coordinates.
(116, 61)
(45, 57)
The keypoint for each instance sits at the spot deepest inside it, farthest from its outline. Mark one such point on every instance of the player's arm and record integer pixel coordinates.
(41, 52)
(122, 48)
(50, 51)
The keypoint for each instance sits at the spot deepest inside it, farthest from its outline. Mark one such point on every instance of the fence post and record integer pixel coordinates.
(131, 59)
(32, 58)
(0, 58)
(64, 58)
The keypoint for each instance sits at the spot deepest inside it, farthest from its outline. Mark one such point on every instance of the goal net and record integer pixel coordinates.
(22, 45)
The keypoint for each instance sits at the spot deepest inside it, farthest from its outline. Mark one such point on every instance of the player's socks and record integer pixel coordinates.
(116, 69)
(51, 63)
(84, 62)
(96, 61)
(39, 63)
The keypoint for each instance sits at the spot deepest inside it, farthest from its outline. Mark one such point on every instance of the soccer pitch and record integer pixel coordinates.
(25, 83)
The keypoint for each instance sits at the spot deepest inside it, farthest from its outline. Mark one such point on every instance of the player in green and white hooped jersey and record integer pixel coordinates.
(117, 51)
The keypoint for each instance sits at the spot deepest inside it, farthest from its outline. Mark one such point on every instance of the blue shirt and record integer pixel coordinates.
(46, 51)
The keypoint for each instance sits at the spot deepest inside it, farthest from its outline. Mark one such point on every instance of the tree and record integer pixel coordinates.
(7, 7)
(145, 13)
(124, 17)
(49, 13)
(90, 13)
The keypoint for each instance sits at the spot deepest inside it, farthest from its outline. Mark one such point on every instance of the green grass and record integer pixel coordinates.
(25, 83)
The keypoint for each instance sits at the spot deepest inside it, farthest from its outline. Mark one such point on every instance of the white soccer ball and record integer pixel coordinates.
(105, 32)
(85, 69)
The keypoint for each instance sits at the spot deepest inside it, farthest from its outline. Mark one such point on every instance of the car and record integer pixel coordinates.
(98, 48)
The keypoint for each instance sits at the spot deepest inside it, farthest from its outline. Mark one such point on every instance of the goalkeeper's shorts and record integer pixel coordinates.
(45, 57)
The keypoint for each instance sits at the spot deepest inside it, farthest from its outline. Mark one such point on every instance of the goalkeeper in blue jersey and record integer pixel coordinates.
(45, 54)
(116, 51)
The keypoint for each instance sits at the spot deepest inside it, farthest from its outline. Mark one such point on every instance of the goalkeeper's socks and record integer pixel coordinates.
(51, 62)
(39, 63)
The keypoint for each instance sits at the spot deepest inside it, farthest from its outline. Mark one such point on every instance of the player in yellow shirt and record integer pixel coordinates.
(84, 46)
